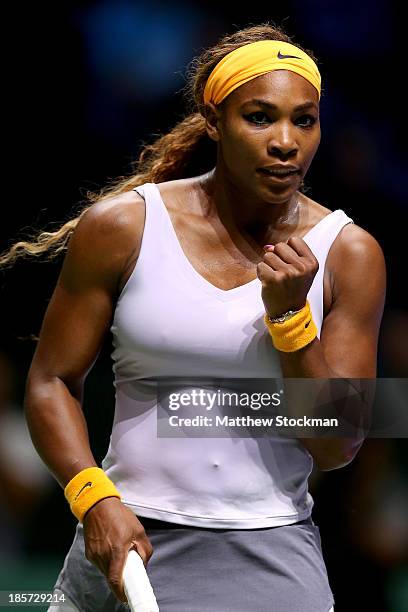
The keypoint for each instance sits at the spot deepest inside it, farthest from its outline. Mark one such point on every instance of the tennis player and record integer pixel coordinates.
(209, 261)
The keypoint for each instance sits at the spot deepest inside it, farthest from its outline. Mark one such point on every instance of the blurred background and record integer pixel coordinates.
(86, 83)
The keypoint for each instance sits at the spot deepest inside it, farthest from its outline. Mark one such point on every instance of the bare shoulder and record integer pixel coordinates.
(356, 260)
(119, 214)
(355, 243)
(106, 237)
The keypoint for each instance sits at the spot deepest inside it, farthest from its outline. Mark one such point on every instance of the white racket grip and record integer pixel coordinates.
(137, 585)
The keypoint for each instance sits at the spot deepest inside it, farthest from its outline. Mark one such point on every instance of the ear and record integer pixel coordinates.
(213, 121)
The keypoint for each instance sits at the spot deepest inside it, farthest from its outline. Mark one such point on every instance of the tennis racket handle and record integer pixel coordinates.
(137, 585)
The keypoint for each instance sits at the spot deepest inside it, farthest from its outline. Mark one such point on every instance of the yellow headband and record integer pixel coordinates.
(250, 61)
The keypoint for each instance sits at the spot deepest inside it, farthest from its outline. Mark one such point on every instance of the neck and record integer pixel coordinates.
(242, 212)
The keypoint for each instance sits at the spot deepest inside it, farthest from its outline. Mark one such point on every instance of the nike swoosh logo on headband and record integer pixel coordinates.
(88, 484)
(281, 56)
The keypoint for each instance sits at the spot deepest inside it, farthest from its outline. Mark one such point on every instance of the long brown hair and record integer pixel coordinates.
(184, 152)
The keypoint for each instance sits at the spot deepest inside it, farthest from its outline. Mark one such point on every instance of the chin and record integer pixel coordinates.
(277, 196)
(274, 191)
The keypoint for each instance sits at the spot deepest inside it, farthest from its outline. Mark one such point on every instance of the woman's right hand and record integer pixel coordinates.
(110, 531)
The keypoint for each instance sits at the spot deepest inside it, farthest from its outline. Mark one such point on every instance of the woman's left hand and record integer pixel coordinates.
(286, 272)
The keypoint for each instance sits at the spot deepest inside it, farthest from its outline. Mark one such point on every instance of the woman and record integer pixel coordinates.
(216, 265)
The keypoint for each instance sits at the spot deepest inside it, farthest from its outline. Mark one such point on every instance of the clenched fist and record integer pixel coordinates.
(286, 273)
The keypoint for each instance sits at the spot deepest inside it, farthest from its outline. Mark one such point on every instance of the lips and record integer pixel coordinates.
(278, 175)
(279, 171)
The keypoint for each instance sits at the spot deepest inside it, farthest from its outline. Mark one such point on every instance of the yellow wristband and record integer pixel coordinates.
(295, 333)
(87, 488)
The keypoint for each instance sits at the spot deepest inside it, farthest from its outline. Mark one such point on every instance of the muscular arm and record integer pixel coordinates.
(348, 342)
(78, 317)
(76, 322)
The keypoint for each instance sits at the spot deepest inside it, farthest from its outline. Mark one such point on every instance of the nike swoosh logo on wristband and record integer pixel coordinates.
(307, 324)
(88, 484)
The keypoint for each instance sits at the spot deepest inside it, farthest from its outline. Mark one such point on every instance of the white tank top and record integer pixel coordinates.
(170, 321)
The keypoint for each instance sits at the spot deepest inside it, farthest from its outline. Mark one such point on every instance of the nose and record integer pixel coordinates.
(282, 141)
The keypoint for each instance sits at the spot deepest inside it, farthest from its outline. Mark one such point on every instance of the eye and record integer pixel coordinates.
(306, 121)
(258, 118)
(261, 118)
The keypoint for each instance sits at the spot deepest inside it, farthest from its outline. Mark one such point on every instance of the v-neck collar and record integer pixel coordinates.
(200, 280)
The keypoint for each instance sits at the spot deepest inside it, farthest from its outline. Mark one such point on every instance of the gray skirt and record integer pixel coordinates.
(194, 569)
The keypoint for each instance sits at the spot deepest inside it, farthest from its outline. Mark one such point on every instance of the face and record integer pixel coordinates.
(264, 128)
